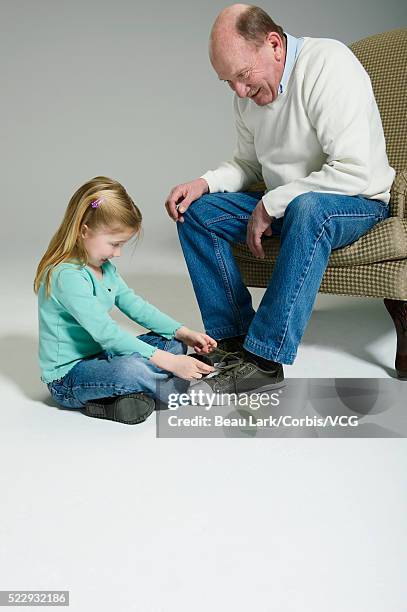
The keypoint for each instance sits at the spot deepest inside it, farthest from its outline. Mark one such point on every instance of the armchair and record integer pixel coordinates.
(376, 264)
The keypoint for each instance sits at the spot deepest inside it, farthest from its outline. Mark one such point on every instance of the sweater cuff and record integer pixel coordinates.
(210, 178)
(179, 325)
(272, 206)
(153, 350)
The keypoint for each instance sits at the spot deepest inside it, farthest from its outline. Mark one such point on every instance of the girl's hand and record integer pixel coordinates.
(201, 343)
(181, 365)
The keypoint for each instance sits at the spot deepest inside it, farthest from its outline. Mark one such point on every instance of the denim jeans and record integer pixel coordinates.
(106, 375)
(313, 225)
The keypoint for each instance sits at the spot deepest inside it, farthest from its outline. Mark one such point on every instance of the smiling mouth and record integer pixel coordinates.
(254, 94)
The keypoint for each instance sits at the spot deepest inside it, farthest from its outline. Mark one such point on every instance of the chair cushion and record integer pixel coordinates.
(386, 241)
(386, 279)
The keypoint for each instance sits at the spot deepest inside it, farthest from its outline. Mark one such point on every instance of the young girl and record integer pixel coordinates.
(86, 359)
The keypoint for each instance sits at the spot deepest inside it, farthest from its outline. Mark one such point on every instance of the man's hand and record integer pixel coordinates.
(259, 224)
(201, 343)
(183, 195)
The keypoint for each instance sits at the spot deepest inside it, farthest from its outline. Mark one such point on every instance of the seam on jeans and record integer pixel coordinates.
(309, 265)
(225, 218)
(223, 332)
(224, 275)
(100, 385)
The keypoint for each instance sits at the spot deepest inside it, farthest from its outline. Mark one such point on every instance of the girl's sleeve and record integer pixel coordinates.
(74, 292)
(144, 313)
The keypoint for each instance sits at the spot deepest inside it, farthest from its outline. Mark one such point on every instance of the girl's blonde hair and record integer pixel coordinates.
(116, 211)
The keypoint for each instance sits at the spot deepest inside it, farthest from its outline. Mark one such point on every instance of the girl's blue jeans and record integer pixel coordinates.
(313, 225)
(106, 375)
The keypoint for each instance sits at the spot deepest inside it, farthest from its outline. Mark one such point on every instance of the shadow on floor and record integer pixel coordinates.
(353, 328)
(19, 363)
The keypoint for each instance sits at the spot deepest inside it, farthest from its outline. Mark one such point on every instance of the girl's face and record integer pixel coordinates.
(102, 244)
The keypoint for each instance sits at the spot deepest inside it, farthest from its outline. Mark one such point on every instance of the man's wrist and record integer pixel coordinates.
(204, 184)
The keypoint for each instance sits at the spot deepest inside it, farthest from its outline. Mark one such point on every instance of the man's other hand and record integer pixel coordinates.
(259, 224)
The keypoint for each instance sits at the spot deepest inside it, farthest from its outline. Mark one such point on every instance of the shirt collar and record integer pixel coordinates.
(293, 48)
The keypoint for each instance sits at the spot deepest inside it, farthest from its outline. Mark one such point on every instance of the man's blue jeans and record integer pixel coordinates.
(106, 375)
(313, 225)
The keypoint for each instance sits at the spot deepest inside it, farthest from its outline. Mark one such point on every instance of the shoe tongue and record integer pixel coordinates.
(230, 345)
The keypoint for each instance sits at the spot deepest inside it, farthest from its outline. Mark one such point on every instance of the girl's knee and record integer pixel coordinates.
(177, 347)
(127, 369)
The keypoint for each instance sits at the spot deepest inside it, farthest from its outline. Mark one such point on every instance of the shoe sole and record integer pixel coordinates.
(126, 405)
(122, 407)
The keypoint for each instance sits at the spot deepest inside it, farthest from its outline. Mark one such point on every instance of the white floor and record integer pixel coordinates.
(125, 521)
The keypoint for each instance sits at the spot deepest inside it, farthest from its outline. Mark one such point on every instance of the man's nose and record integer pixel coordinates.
(240, 89)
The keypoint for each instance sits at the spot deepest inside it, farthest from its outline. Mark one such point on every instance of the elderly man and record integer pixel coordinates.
(307, 124)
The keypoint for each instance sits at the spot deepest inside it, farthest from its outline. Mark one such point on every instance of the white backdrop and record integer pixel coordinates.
(126, 89)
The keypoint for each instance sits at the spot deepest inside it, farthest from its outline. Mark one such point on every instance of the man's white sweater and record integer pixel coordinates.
(323, 133)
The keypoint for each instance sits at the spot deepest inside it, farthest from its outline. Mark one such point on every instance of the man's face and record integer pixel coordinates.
(251, 72)
(102, 245)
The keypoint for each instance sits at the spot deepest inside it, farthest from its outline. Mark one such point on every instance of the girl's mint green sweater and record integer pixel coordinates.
(74, 322)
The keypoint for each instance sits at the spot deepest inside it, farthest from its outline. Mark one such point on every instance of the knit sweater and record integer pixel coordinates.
(322, 133)
(74, 322)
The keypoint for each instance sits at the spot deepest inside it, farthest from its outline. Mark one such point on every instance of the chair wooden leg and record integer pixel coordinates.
(397, 309)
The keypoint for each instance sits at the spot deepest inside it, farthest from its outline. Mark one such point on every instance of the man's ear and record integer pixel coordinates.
(277, 43)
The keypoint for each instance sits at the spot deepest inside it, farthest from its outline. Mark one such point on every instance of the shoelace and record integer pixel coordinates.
(231, 369)
(236, 358)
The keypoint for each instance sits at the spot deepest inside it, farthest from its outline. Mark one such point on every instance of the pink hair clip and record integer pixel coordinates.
(97, 203)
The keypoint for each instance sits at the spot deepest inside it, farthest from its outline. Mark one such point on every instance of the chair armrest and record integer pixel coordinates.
(261, 186)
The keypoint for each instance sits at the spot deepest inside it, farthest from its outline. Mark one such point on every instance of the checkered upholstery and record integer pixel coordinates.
(387, 279)
(386, 241)
(376, 264)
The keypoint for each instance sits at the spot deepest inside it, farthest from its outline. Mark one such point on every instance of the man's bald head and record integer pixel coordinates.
(226, 20)
(247, 49)
(237, 22)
